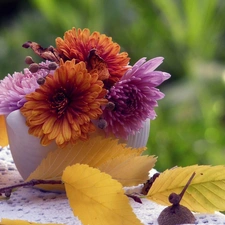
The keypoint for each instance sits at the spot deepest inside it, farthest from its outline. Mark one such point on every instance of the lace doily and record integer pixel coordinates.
(35, 205)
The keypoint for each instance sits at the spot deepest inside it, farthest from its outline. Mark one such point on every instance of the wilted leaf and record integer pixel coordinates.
(49, 53)
(94, 152)
(129, 170)
(23, 222)
(3, 132)
(96, 198)
(206, 193)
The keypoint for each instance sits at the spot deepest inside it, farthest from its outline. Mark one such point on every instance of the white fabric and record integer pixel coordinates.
(46, 207)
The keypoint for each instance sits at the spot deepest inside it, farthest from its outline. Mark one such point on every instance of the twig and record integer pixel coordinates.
(8, 190)
(135, 198)
(149, 184)
(186, 186)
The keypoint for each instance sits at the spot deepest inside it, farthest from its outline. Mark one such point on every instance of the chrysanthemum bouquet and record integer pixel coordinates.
(82, 85)
(84, 82)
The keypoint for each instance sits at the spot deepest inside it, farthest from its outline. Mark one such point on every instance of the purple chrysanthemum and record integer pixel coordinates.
(134, 98)
(13, 88)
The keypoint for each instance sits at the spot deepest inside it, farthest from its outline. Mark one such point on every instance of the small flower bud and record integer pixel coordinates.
(29, 60)
(34, 67)
(41, 80)
(27, 44)
(110, 106)
(51, 48)
(102, 124)
(52, 66)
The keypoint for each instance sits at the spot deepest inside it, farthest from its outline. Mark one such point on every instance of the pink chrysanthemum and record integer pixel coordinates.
(13, 88)
(134, 98)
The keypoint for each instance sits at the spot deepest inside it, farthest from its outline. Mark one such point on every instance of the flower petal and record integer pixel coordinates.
(62, 108)
(135, 96)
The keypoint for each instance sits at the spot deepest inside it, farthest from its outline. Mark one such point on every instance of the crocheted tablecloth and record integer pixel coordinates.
(35, 205)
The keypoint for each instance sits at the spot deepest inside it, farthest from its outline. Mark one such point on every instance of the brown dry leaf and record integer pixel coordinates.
(96, 198)
(49, 53)
(96, 62)
(3, 132)
(94, 152)
(23, 222)
(206, 193)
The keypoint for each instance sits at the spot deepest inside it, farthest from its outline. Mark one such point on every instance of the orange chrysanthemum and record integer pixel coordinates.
(63, 107)
(97, 50)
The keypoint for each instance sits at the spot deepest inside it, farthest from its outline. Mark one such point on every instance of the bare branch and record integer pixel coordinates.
(8, 190)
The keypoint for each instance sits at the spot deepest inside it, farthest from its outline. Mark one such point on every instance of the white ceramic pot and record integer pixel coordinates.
(27, 152)
(140, 139)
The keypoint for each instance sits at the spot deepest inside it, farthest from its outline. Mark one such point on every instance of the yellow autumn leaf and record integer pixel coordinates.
(129, 170)
(23, 222)
(3, 132)
(96, 198)
(206, 193)
(94, 152)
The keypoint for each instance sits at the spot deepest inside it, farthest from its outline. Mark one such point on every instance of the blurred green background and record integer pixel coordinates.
(189, 34)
